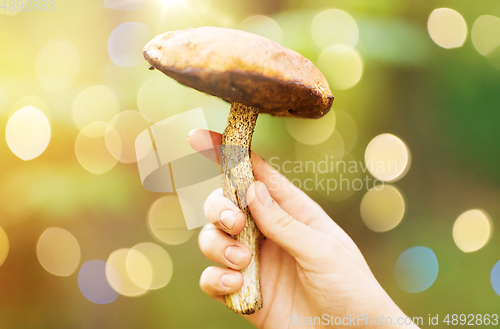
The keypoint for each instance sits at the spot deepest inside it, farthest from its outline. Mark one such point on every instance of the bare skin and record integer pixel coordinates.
(309, 266)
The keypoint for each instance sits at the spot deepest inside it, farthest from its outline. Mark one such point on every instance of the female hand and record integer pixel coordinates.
(309, 266)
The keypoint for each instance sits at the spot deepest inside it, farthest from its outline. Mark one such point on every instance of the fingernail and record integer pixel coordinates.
(263, 195)
(228, 218)
(228, 280)
(234, 254)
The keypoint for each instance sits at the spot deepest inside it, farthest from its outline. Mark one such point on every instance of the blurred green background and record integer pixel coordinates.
(431, 80)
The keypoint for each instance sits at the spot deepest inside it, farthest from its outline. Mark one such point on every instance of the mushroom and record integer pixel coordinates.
(255, 75)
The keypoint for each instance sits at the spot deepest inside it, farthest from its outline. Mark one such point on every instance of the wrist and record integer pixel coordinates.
(388, 315)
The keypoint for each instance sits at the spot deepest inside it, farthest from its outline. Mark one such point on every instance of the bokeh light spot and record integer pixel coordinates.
(416, 269)
(387, 158)
(382, 208)
(334, 26)
(4, 246)
(495, 278)
(485, 34)
(126, 42)
(58, 251)
(93, 283)
(166, 221)
(96, 103)
(341, 65)
(310, 131)
(472, 230)
(447, 28)
(159, 261)
(139, 269)
(117, 274)
(127, 126)
(57, 64)
(264, 26)
(28, 133)
(91, 149)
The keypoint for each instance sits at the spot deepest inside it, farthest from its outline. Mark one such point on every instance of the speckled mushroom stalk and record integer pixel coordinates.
(237, 176)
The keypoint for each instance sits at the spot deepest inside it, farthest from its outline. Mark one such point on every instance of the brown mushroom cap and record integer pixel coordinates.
(242, 67)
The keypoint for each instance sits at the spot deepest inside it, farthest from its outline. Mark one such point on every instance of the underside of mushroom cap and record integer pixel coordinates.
(242, 67)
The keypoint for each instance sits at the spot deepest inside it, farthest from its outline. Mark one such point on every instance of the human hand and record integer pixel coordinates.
(309, 266)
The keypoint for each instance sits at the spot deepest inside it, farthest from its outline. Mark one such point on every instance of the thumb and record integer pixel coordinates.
(296, 238)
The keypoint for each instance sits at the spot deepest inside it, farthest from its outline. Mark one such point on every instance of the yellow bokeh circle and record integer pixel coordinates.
(341, 65)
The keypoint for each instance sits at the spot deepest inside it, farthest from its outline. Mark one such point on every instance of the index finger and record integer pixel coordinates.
(202, 140)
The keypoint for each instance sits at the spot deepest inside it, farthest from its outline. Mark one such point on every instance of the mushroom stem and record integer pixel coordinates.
(237, 176)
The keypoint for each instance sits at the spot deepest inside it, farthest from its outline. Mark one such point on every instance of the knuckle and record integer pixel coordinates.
(214, 204)
(208, 206)
(284, 221)
(215, 195)
(209, 282)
